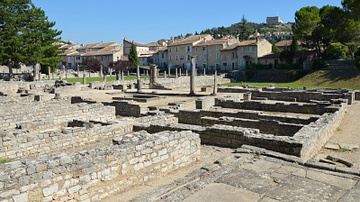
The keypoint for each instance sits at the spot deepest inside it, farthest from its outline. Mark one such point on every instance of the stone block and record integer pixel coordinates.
(47, 191)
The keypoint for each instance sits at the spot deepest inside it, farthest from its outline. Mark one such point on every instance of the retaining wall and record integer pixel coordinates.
(92, 175)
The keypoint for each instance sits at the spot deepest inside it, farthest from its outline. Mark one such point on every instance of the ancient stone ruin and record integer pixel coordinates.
(59, 145)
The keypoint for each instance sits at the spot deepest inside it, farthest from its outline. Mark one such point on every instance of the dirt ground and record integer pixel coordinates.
(348, 132)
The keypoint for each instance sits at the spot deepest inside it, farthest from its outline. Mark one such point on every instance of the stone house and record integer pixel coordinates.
(105, 53)
(208, 52)
(274, 58)
(286, 44)
(180, 51)
(241, 54)
(141, 49)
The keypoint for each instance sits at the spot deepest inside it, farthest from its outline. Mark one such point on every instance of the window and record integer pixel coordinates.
(250, 49)
(77, 58)
(217, 56)
(162, 55)
(188, 49)
(204, 65)
(218, 47)
(170, 50)
(242, 50)
(217, 66)
(196, 49)
(176, 49)
(224, 64)
(176, 57)
(204, 48)
(188, 58)
(170, 58)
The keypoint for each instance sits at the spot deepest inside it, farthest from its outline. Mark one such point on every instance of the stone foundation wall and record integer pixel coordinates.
(315, 135)
(305, 108)
(13, 86)
(92, 175)
(184, 81)
(265, 126)
(23, 144)
(283, 94)
(55, 110)
(194, 116)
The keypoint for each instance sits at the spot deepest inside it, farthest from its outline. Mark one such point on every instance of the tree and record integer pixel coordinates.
(26, 35)
(294, 45)
(306, 27)
(244, 32)
(335, 51)
(91, 64)
(133, 58)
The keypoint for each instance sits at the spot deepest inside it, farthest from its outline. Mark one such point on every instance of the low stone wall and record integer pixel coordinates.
(127, 108)
(57, 111)
(231, 136)
(305, 108)
(14, 86)
(315, 135)
(194, 116)
(19, 144)
(265, 126)
(184, 81)
(283, 94)
(97, 173)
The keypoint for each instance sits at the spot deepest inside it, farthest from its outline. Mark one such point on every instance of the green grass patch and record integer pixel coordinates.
(5, 160)
(347, 79)
(100, 79)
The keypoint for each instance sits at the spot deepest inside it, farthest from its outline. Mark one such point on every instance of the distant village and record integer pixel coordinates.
(225, 54)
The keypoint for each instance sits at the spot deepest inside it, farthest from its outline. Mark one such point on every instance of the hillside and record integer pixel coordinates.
(349, 79)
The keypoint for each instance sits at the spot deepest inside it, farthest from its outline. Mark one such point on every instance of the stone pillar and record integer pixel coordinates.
(84, 78)
(147, 72)
(78, 71)
(128, 73)
(110, 70)
(89, 74)
(215, 83)
(101, 71)
(169, 70)
(164, 74)
(49, 72)
(122, 75)
(39, 75)
(204, 71)
(176, 72)
(247, 96)
(180, 72)
(153, 75)
(186, 72)
(192, 76)
(104, 78)
(118, 76)
(138, 79)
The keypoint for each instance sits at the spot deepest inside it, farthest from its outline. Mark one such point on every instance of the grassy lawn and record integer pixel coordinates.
(348, 79)
(93, 79)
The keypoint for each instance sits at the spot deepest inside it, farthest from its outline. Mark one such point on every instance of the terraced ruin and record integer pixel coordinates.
(89, 143)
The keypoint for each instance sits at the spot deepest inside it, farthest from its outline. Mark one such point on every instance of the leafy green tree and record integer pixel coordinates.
(275, 49)
(294, 45)
(244, 31)
(26, 35)
(133, 58)
(335, 51)
(306, 27)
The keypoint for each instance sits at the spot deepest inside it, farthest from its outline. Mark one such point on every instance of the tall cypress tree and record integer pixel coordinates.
(133, 58)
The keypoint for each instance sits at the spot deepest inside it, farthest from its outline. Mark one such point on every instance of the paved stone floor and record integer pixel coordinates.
(248, 176)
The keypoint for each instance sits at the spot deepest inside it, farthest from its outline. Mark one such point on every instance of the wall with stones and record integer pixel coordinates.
(14, 86)
(194, 116)
(17, 144)
(12, 114)
(284, 94)
(184, 81)
(305, 108)
(231, 136)
(316, 134)
(94, 174)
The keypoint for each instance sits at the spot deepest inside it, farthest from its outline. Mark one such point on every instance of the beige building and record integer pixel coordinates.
(105, 53)
(273, 20)
(208, 52)
(141, 49)
(160, 58)
(241, 54)
(179, 52)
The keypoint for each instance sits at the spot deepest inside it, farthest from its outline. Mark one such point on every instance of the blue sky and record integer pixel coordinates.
(144, 21)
